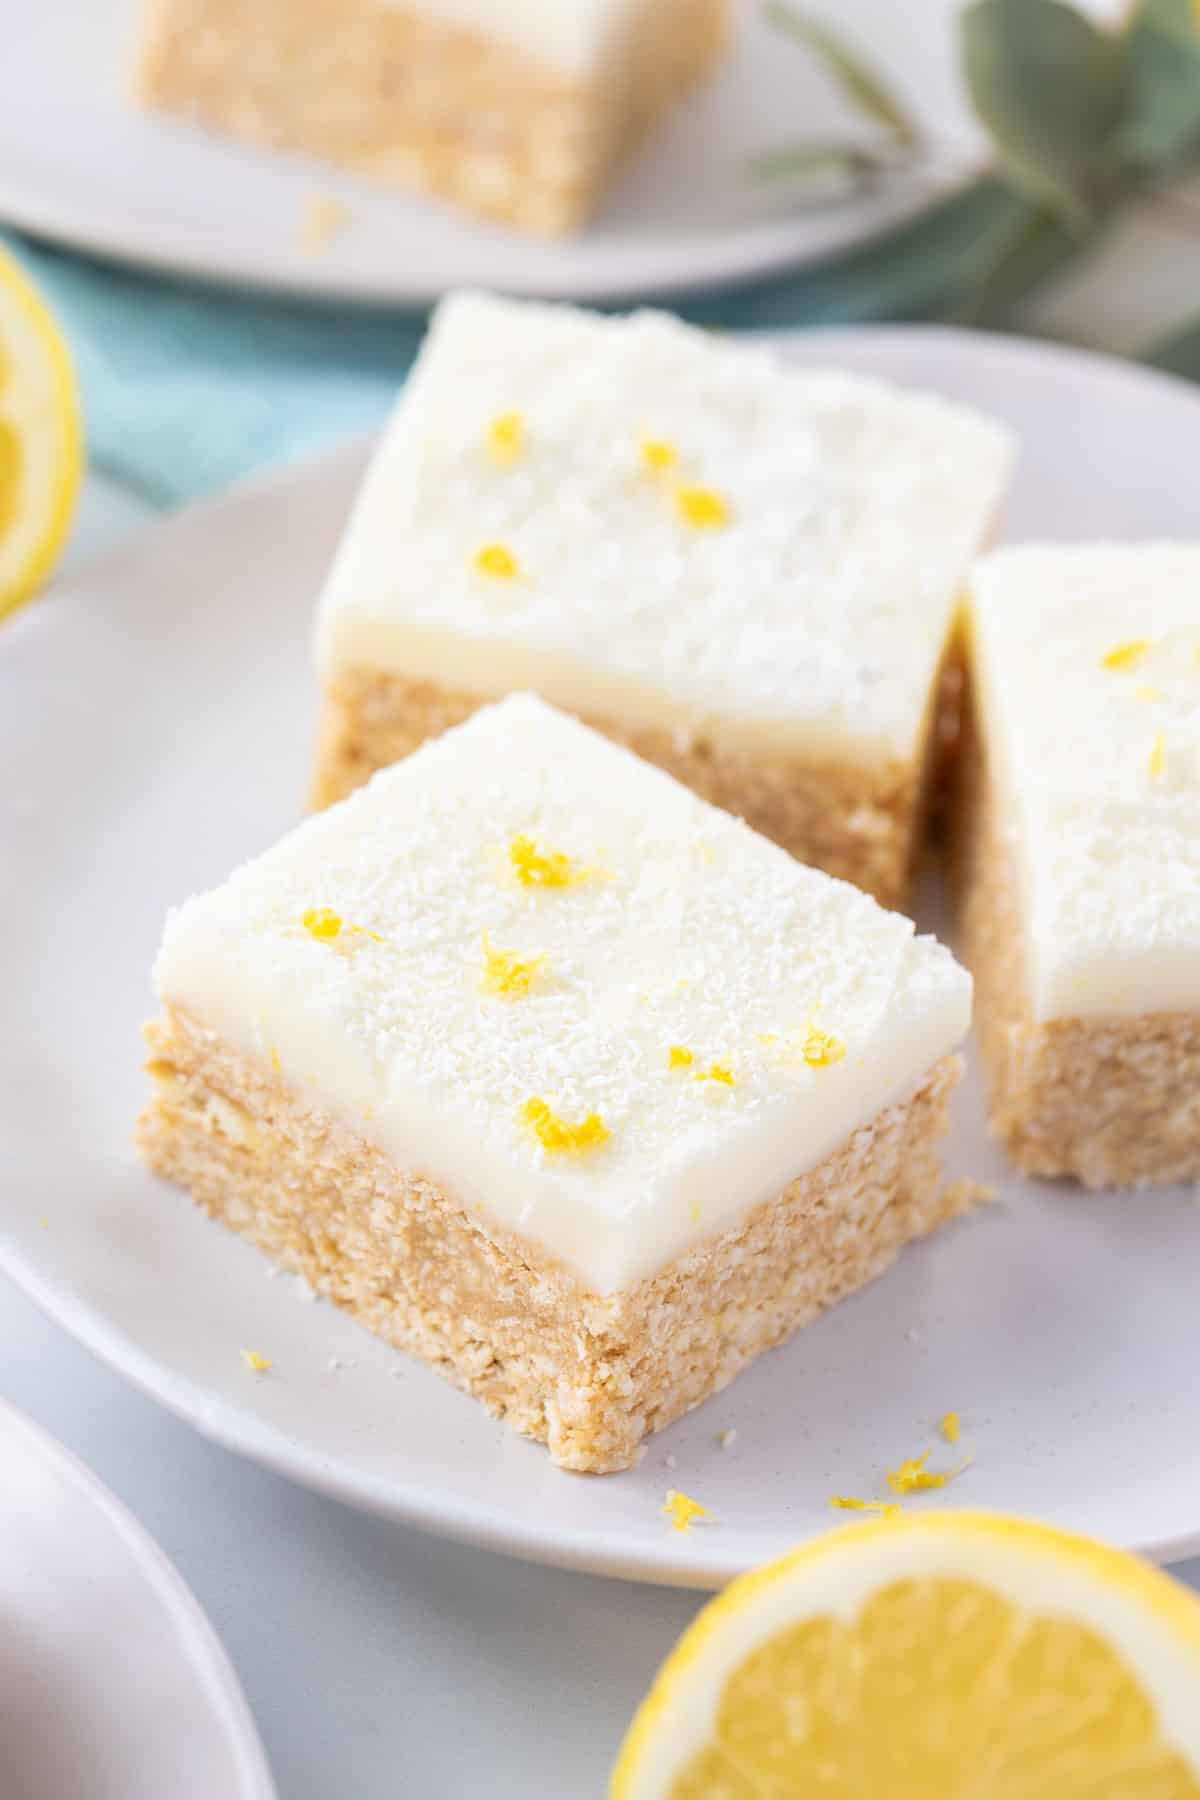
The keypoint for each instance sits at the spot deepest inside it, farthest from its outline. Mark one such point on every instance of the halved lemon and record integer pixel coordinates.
(41, 455)
(950, 1656)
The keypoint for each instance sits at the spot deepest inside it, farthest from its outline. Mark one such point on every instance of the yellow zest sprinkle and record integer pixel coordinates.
(507, 974)
(1124, 656)
(658, 454)
(681, 1509)
(1158, 755)
(950, 1427)
(912, 1477)
(887, 1509)
(701, 507)
(716, 1071)
(694, 1212)
(505, 438)
(820, 1048)
(259, 1364)
(321, 922)
(768, 1037)
(497, 560)
(679, 1057)
(275, 1062)
(1143, 691)
(541, 868)
(556, 1135)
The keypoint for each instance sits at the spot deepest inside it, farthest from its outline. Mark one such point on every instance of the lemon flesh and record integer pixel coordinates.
(41, 456)
(1043, 1684)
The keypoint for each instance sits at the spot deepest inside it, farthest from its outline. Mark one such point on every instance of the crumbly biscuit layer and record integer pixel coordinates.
(863, 824)
(448, 112)
(1112, 1100)
(589, 1375)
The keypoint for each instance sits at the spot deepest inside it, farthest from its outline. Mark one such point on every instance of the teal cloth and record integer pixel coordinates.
(186, 388)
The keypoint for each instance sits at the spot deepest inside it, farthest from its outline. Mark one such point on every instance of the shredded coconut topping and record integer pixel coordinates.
(476, 844)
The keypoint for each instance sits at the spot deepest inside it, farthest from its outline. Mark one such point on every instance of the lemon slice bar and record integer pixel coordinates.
(1080, 827)
(556, 1076)
(747, 573)
(516, 109)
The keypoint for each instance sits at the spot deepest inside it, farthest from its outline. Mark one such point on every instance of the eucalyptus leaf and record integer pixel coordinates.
(823, 164)
(1051, 89)
(1036, 245)
(1162, 49)
(858, 81)
(1178, 354)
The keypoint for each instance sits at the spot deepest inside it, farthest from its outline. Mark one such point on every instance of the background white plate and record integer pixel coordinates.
(77, 163)
(112, 1684)
(155, 727)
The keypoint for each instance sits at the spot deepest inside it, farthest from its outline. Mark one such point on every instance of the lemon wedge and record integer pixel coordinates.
(41, 440)
(930, 1658)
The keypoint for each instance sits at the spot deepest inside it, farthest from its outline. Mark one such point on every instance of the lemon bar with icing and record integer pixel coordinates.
(747, 573)
(556, 1076)
(517, 109)
(1080, 843)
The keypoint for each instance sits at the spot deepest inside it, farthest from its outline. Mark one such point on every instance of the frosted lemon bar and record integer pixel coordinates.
(747, 573)
(556, 1076)
(1082, 856)
(518, 109)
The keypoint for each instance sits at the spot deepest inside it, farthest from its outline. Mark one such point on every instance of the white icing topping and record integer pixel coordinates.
(572, 37)
(1106, 850)
(813, 620)
(687, 929)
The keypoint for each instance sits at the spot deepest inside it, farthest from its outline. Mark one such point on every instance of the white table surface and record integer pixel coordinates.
(378, 1662)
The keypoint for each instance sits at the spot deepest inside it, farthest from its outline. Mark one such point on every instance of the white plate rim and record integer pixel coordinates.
(616, 260)
(170, 1591)
(697, 1560)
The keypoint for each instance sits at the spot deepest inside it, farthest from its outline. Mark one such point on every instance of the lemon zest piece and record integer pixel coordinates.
(542, 868)
(887, 1509)
(322, 923)
(1124, 656)
(679, 1057)
(701, 507)
(681, 1509)
(275, 1062)
(256, 1362)
(717, 1071)
(507, 974)
(658, 454)
(820, 1048)
(1143, 691)
(506, 439)
(496, 560)
(559, 1137)
(951, 1427)
(912, 1477)
(1158, 755)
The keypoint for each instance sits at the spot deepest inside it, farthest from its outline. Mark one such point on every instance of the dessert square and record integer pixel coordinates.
(1080, 856)
(517, 109)
(747, 573)
(555, 1076)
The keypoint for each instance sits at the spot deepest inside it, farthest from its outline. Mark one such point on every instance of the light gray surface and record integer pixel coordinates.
(377, 1661)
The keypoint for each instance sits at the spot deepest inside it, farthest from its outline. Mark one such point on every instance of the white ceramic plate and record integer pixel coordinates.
(113, 1683)
(155, 728)
(77, 163)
